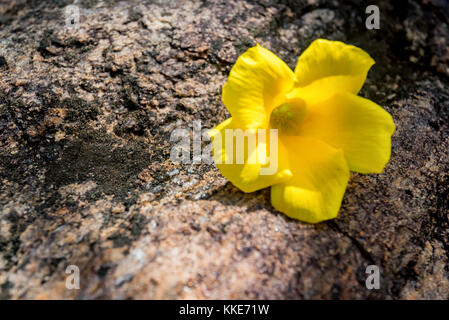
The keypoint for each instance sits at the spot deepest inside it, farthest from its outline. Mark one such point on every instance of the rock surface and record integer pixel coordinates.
(86, 176)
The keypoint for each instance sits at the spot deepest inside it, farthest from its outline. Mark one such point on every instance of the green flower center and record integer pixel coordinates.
(288, 117)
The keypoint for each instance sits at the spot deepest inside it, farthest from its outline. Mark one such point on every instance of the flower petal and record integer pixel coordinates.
(247, 175)
(357, 125)
(320, 176)
(257, 83)
(327, 67)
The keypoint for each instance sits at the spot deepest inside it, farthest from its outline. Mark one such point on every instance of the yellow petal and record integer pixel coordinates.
(355, 124)
(257, 83)
(327, 67)
(320, 176)
(245, 173)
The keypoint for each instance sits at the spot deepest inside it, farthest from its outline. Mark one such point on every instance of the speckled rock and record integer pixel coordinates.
(86, 177)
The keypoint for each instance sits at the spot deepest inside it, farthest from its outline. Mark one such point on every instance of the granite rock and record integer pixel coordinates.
(86, 116)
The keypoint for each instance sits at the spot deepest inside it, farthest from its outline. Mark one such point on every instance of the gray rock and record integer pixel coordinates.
(85, 121)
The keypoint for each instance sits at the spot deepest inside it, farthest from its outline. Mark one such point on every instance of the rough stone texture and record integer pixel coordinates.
(86, 179)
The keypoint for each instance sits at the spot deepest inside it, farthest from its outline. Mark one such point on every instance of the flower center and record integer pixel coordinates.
(288, 117)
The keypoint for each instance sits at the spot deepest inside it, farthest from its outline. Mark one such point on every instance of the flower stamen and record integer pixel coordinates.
(288, 117)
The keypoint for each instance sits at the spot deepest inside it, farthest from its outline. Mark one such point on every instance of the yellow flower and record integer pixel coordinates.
(324, 129)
